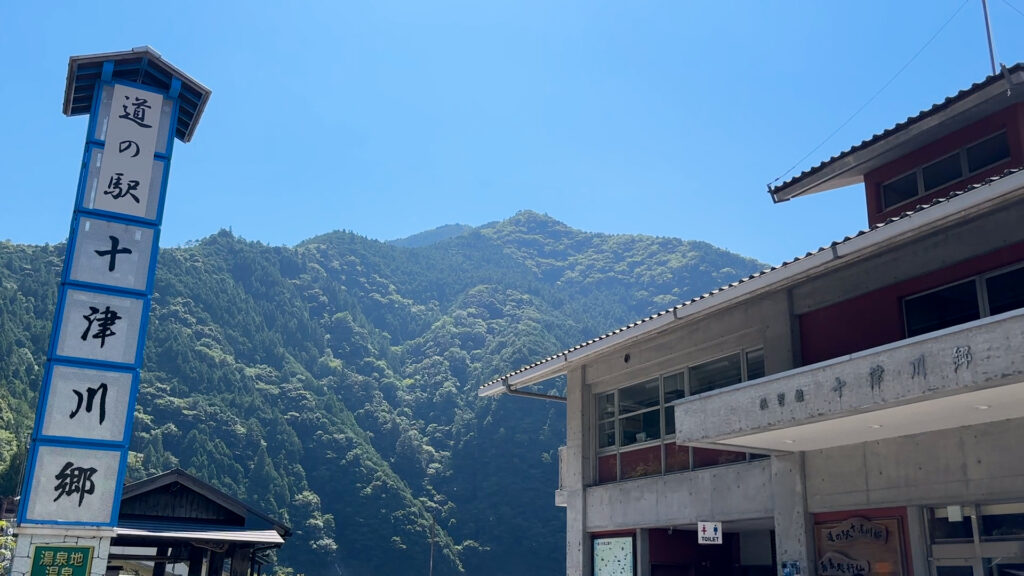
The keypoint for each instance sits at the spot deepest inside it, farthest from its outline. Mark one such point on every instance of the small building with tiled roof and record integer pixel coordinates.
(854, 410)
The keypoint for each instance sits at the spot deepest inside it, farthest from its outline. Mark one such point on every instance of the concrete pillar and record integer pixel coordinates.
(794, 536)
(643, 552)
(578, 554)
(28, 537)
(918, 539)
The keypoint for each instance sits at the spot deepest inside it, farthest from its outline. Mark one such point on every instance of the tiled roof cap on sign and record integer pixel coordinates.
(775, 191)
(916, 209)
(142, 65)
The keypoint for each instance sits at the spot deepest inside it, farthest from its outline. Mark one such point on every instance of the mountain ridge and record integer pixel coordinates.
(333, 384)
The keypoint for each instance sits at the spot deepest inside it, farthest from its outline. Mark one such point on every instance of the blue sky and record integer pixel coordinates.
(389, 118)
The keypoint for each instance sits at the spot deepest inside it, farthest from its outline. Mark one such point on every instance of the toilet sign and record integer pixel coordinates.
(709, 532)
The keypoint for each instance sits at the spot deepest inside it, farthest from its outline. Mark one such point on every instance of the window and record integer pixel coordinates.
(976, 540)
(715, 374)
(942, 308)
(899, 190)
(636, 423)
(988, 152)
(968, 300)
(938, 174)
(956, 166)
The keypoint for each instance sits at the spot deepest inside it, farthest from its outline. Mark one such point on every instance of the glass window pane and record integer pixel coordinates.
(942, 530)
(677, 458)
(642, 462)
(1002, 567)
(674, 388)
(606, 434)
(639, 396)
(755, 364)
(670, 420)
(988, 152)
(954, 571)
(942, 172)
(606, 406)
(715, 374)
(705, 457)
(642, 427)
(942, 308)
(607, 468)
(899, 190)
(1005, 291)
(1002, 527)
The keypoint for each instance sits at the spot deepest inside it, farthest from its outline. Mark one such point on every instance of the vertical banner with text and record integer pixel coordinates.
(79, 448)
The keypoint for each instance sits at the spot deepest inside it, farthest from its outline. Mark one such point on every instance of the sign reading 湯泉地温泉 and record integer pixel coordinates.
(61, 560)
(79, 447)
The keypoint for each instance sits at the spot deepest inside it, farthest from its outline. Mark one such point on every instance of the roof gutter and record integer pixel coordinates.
(512, 392)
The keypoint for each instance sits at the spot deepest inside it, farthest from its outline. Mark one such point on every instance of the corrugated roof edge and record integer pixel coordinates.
(915, 210)
(922, 115)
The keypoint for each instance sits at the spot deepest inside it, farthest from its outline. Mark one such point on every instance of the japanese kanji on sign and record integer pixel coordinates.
(61, 560)
(79, 449)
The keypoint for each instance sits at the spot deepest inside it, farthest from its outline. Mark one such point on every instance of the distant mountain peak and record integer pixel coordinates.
(432, 236)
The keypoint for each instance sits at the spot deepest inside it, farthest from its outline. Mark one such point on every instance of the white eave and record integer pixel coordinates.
(967, 107)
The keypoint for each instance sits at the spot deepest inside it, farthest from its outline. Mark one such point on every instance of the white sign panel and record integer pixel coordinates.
(101, 327)
(73, 485)
(112, 254)
(127, 164)
(613, 556)
(86, 403)
(709, 532)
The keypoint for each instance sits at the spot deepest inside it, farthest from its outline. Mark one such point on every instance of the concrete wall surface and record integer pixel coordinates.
(913, 370)
(764, 321)
(734, 492)
(980, 463)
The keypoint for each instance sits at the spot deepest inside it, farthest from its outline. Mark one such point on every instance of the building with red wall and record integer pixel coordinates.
(857, 410)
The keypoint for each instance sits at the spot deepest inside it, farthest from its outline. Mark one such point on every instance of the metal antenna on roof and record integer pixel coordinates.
(988, 33)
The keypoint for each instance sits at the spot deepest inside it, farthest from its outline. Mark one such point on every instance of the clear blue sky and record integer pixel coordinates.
(389, 118)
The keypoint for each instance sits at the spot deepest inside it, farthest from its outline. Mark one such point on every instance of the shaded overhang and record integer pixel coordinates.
(142, 65)
(965, 108)
(967, 409)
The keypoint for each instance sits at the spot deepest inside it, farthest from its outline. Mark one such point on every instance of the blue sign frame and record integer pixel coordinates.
(30, 470)
(65, 276)
(58, 324)
(132, 368)
(44, 399)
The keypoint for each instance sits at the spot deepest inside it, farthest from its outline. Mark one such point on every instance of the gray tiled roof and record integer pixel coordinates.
(916, 209)
(920, 116)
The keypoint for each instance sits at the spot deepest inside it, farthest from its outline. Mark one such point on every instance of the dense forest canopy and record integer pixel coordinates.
(333, 384)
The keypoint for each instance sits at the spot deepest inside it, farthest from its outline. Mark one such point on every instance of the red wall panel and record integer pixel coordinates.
(876, 318)
(1009, 119)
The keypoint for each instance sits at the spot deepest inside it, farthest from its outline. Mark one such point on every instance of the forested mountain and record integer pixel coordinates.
(333, 384)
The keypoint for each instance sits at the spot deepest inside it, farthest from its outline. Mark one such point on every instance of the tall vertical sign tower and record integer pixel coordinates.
(137, 103)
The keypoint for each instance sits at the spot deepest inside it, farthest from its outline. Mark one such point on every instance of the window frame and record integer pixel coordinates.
(965, 171)
(980, 291)
(661, 408)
